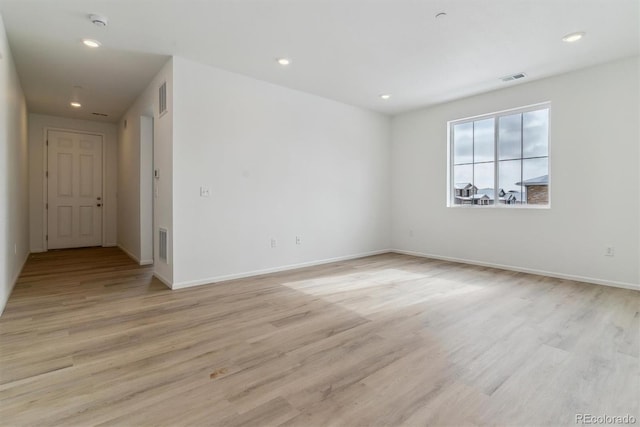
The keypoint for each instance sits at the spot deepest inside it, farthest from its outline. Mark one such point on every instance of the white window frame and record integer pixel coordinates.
(495, 115)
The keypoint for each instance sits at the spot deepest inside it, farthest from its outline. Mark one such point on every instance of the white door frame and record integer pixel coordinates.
(45, 183)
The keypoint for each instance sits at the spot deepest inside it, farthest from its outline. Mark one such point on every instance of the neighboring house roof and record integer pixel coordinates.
(539, 180)
(490, 192)
(463, 185)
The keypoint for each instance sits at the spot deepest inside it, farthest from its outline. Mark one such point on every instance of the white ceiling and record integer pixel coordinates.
(347, 50)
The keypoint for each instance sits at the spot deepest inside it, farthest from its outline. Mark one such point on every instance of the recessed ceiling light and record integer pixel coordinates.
(75, 98)
(385, 96)
(91, 43)
(573, 37)
(284, 61)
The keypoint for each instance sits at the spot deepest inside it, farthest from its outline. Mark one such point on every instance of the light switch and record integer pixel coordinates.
(204, 192)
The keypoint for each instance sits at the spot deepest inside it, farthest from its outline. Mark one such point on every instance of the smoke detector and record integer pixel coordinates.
(99, 20)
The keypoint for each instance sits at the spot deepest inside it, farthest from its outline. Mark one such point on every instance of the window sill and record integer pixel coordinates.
(501, 207)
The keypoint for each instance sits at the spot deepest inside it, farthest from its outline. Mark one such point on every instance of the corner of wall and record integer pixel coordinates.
(137, 158)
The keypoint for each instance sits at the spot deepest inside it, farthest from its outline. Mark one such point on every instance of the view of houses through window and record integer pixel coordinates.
(501, 159)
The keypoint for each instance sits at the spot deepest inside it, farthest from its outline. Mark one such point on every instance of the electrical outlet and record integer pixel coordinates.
(609, 251)
(204, 192)
(298, 240)
(410, 233)
(274, 242)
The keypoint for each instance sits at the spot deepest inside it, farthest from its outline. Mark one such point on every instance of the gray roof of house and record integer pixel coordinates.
(489, 192)
(462, 185)
(539, 180)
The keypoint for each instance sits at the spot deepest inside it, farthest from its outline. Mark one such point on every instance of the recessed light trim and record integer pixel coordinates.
(284, 61)
(91, 43)
(75, 104)
(385, 96)
(573, 37)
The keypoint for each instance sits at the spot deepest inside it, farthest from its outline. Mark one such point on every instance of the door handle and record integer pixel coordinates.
(99, 204)
(99, 198)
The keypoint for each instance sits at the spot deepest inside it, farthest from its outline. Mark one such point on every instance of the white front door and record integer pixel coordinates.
(74, 190)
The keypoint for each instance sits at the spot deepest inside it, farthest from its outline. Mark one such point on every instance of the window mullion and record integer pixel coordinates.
(473, 160)
(495, 162)
(522, 156)
(452, 161)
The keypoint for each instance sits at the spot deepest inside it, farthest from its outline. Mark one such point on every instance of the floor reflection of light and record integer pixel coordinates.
(394, 288)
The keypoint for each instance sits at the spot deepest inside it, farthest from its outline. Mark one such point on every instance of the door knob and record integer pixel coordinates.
(99, 204)
(99, 198)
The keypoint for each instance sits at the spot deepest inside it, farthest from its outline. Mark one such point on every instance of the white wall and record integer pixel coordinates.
(136, 157)
(278, 163)
(129, 187)
(146, 188)
(14, 190)
(594, 139)
(38, 123)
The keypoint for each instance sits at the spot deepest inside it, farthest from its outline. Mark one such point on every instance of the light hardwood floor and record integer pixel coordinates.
(90, 338)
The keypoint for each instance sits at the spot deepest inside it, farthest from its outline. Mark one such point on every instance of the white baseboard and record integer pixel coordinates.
(129, 253)
(576, 278)
(3, 304)
(211, 280)
(135, 258)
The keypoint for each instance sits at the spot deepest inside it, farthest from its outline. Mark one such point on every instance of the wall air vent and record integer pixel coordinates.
(162, 99)
(162, 244)
(513, 77)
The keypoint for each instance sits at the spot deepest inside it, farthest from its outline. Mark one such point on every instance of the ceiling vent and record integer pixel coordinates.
(513, 77)
(100, 114)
